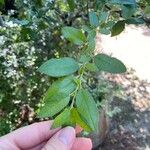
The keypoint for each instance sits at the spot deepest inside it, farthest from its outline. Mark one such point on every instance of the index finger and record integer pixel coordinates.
(32, 135)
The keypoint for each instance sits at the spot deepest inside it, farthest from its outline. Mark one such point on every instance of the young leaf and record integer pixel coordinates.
(87, 109)
(118, 28)
(109, 64)
(57, 97)
(78, 120)
(59, 67)
(93, 19)
(62, 119)
(71, 4)
(73, 35)
(91, 67)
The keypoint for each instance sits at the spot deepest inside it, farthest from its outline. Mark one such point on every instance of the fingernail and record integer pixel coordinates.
(67, 135)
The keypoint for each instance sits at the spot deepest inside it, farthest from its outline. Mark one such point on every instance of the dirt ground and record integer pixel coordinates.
(132, 47)
(130, 129)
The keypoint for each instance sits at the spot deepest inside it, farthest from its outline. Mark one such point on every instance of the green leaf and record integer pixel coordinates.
(87, 109)
(78, 120)
(104, 31)
(127, 11)
(91, 41)
(118, 28)
(91, 46)
(59, 67)
(109, 24)
(65, 85)
(2, 2)
(63, 119)
(93, 19)
(21, 22)
(103, 17)
(73, 35)
(39, 3)
(91, 67)
(86, 28)
(135, 21)
(109, 64)
(147, 10)
(91, 35)
(57, 97)
(71, 4)
(53, 106)
(128, 2)
(84, 58)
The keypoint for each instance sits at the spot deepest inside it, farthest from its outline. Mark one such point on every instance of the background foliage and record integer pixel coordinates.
(30, 33)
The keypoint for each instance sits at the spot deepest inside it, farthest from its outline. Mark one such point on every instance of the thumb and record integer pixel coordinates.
(63, 140)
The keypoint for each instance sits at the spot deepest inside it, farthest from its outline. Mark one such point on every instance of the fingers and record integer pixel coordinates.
(62, 140)
(82, 144)
(37, 134)
(38, 147)
(32, 135)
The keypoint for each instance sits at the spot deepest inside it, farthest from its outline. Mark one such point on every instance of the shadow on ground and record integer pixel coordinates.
(130, 129)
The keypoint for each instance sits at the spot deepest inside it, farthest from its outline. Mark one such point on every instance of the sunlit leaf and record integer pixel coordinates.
(57, 97)
(87, 109)
(73, 35)
(93, 19)
(59, 67)
(109, 64)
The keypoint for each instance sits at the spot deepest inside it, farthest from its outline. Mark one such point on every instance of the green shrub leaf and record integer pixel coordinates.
(147, 10)
(73, 35)
(103, 17)
(128, 2)
(91, 67)
(57, 97)
(77, 119)
(71, 4)
(135, 21)
(85, 58)
(2, 2)
(63, 119)
(128, 11)
(53, 106)
(59, 67)
(93, 19)
(118, 28)
(109, 64)
(87, 109)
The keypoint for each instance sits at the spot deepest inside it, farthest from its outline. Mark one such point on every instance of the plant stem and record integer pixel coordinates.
(74, 93)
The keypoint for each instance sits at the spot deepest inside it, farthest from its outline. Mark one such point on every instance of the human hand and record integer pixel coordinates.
(38, 136)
